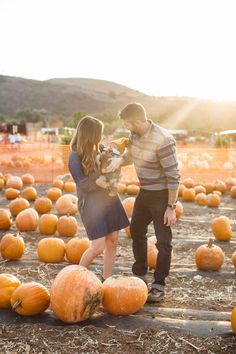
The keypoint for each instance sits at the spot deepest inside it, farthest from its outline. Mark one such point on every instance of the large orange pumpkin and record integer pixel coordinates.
(209, 186)
(14, 182)
(213, 200)
(220, 186)
(124, 295)
(48, 224)
(11, 193)
(233, 192)
(221, 228)
(43, 205)
(58, 183)
(121, 188)
(200, 199)
(12, 246)
(179, 209)
(67, 226)
(75, 248)
(54, 193)
(199, 189)
(69, 187)
(17, 205)
(5, 219)
(29, 193)
(209, 257)
(233, 320)
(2, 183)
(27, 178)
(132, 189)
(8, 283)
(188, 194)
(67, 204)
(51, 250)
(30, 299)
(233, 259)
(152, 252)
(76, 293)
(128, 204)
(189, 182)
(27, 220)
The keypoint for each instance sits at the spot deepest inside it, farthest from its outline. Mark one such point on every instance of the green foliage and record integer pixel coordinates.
(222, 141)
(73, 122)
(29, 116)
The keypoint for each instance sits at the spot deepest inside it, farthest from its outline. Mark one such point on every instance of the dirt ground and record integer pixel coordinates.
(163, 328)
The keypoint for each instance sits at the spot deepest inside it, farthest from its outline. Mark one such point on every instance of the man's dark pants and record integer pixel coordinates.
(151, 206)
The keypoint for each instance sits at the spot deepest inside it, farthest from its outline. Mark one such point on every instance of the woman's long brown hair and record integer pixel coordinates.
(85, 141)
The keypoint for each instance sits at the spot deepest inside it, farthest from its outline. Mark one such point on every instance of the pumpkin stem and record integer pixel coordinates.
(16, 304)
(210, 242)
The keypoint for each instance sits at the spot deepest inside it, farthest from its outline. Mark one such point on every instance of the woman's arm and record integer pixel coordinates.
(87, 184)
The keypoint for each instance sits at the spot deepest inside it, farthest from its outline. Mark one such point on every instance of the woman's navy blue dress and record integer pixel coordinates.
(100, 213)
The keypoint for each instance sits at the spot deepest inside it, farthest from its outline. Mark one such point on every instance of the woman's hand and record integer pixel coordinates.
(114, 164)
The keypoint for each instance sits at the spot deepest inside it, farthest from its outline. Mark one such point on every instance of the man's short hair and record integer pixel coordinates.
(133, 112)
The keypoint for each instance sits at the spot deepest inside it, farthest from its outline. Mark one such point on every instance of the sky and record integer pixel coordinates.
(159, 47)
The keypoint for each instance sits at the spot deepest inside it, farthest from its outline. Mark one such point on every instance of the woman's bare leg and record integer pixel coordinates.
(96, 248)
(109, 253)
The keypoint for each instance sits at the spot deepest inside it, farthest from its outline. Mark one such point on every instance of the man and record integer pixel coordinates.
(152, 150)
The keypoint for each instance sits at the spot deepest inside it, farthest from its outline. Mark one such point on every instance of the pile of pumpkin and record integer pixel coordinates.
(26, 162)
(76, 293)
(207, 194)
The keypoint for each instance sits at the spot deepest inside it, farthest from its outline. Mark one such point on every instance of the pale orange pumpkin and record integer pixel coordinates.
(43, 205)
(209, 257)
(72, 303)
(51, 250)
(127, 231)
(12, 246)
(67, 204)
(189, 182)
(230, 182)
(30, 299)
(180, 190)
(233, 192)
(8, 284)
(48, 224)
(75, 248)
(221, 228)
(11, 193)
(27, 178)
(188, 194)
(213, 200)
(54, 193)
(58, 183)
(67, 226)
(128, 204)
(209, 186)
(5, 219)
(30, 193)
(233, 320)
(27, 220)
(14, 182)
(200, 199)
(220, 186)
(199, 189)
(69, 187)
(132, 189)
(17, 205)
(124, 295)
(179, 209)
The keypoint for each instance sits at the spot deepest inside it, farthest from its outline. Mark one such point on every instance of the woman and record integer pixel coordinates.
(102, 215)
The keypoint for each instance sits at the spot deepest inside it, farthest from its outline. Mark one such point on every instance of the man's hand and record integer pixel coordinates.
(169, 217)
(114, 164)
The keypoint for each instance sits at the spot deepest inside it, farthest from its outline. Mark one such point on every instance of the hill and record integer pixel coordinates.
(67, 96)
